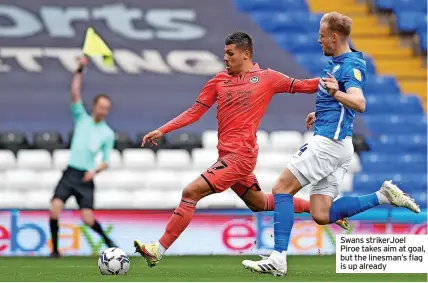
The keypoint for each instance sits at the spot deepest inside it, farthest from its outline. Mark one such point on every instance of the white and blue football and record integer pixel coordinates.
(113, 261)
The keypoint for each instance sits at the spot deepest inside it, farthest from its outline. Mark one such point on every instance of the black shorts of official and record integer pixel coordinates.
(71, 184)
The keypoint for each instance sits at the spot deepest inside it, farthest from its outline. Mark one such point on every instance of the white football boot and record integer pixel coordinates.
(266, 265)
(397, 197)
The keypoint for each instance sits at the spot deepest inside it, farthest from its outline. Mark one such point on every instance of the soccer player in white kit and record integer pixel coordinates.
(324, 159)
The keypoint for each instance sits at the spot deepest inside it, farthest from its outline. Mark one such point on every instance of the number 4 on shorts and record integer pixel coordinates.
(303, 149)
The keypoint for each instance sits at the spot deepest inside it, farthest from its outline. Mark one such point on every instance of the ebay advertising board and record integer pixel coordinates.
(211, 232)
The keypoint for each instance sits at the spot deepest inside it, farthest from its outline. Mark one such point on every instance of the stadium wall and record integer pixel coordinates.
(225, 232)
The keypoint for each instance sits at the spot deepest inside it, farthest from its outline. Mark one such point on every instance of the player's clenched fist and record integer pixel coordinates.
(310, 120)
(150, 137)
(331, 84)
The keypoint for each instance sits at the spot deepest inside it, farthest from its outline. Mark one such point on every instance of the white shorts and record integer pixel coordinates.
(322, 162)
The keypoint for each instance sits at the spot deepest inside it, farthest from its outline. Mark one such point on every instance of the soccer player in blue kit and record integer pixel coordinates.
(324, 159)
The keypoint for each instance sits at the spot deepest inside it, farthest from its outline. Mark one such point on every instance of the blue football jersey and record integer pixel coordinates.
(333, 119)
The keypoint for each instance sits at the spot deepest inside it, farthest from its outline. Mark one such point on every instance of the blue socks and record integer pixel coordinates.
(349, 206)
(283, 221)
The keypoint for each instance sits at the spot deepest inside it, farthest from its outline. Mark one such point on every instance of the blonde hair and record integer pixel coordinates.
(337, 22)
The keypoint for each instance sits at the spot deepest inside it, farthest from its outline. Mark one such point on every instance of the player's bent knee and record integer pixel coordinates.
(56, 208)
(321, 218)
(87, 216)
(197, 190)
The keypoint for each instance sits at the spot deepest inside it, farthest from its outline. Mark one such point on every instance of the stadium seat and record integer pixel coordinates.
(410, 183)
(177, 159)
(395, 124)
(163, 180)
(283, 22)
(203, 158)
(385, 5)
(36, 159)
(263, 140)
(273, 161)
(355, 165)
(37, 200)
(267, 179)
(423, 40)
(105, 181)
(21, 180)
(116, 200)
(381, 84)
(138, 158)
(48, 140)
(209, 139)
(298, 42)
(306, 136)
(410, 22)
(227, 199)
(12, 200)
(409, 5)
(185, 141)
(49, 179)
(7, 159)
(128, 180)
(384, 163)
(61, 158)
(122, 141)
(347, 183)
(187, 177)
(115, 159)
(399, 143)
(156, 199)
(409, 104)
(313, 63)
(271, 5)
(13, 141)
(286, 141)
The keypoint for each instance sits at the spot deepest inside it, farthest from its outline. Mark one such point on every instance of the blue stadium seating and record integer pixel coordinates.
(298, 22)
(381, 84)
(423, 40)
(409, 104)
(410, 5)
(385, 4)
(385, 163)
(396, 124)
(411, 21)
(271, 5)
(298, 42)
(413, 183)
(411, 143)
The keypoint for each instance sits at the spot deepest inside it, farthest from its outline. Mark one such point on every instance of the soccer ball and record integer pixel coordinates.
(113, 261)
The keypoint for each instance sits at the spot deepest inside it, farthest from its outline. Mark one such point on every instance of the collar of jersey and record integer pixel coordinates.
(354, 53)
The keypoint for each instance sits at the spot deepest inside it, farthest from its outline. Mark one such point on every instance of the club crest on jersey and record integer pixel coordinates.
(357, 74)
(254, 79)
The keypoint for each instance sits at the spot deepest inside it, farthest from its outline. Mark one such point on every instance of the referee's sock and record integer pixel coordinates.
(97, 228)
(349, 206)
(53, 223)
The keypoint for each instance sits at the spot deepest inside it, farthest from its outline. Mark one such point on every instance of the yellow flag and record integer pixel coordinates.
(95, 46)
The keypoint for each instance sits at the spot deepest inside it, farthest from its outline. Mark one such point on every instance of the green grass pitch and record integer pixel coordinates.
(183, 268)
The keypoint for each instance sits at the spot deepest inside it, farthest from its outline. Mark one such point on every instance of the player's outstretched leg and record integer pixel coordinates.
(178, 222)
(388, 194)
(259, 201)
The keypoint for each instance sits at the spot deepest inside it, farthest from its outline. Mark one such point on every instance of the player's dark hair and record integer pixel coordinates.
(99, 96)
(241, 39)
